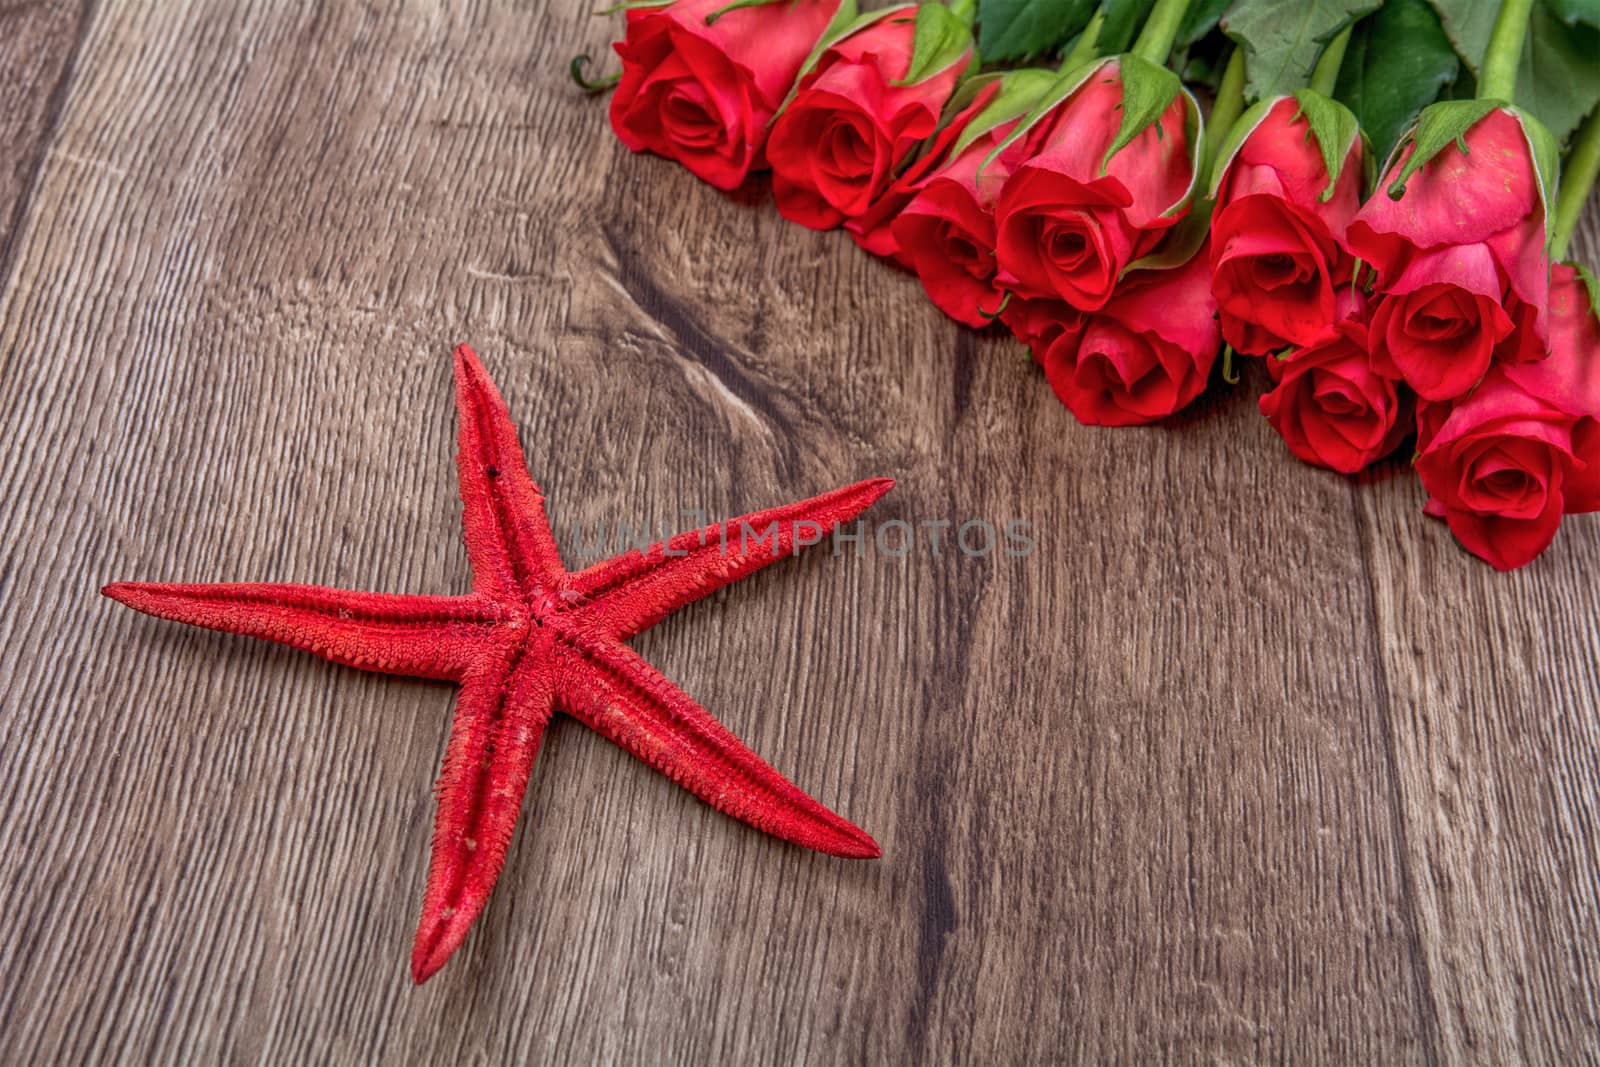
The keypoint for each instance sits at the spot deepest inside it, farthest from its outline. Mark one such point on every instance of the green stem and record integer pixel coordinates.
(1160, 30)
(1499, 78)
(1086, 47)
(1577, 179)
(1326, 74)
(1224, 112)
(575, 68)
(965, 10)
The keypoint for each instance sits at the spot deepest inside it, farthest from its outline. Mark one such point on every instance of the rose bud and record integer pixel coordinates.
(1284, 200)
(700, 87)
(1142, 357)
(1503, 464)
(858, 114)
(873, 229)
(1459, 240)
(1329, 405)
(1102, 182)
(946, 233)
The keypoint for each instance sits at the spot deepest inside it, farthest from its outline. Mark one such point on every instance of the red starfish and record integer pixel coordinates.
(533, 637)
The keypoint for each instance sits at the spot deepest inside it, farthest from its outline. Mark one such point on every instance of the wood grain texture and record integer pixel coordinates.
(1245, 762)
(38, 43)
(1492, 706)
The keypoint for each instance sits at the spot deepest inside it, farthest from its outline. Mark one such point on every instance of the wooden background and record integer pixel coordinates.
(1246, 762)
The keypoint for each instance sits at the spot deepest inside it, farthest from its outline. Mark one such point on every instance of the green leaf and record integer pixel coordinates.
(1201, 18)
(1282, 40)
(1334, 127)
(1242, 128)
(1010, 30)
(1439, 125)
(1558, 79)
(1123, 19)
(1147, 92)
(1398, 62)
(1573, 12)
(941, 41)
(1468, 24)
(1019, 91)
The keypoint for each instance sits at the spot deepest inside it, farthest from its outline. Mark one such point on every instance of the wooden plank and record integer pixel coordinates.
(1491, 686)
(38, 44)
(1138, 791)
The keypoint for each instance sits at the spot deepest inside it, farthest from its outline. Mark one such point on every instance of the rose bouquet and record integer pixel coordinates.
(1368, 209)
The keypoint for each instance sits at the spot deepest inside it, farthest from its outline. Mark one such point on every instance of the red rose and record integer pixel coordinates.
(1440, 320)
(835, 147)
(1329, 405)
(1142, 357)
(873, 229)
(946, 235)
(703, 94)
(1276, 257)
(1505, 463)
(1496, 467)
(1065, 226)
(1468, 234)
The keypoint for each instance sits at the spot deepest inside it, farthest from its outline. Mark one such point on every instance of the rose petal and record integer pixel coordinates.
(1175, 305)
(1331, 408)
(1440, 322)
(1503, 543)
(1570, 377)
(1280, 158)
(947, 238)
(1582, 486)
(1455, 199)
(1260, 231)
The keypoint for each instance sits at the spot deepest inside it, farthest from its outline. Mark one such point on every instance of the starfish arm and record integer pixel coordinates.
(423, 636)
(500, 718)
(509, 542)
(634, 591)
(614, 691)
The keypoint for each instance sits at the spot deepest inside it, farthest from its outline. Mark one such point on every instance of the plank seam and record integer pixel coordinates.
(1421, 975)
(54, 107)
